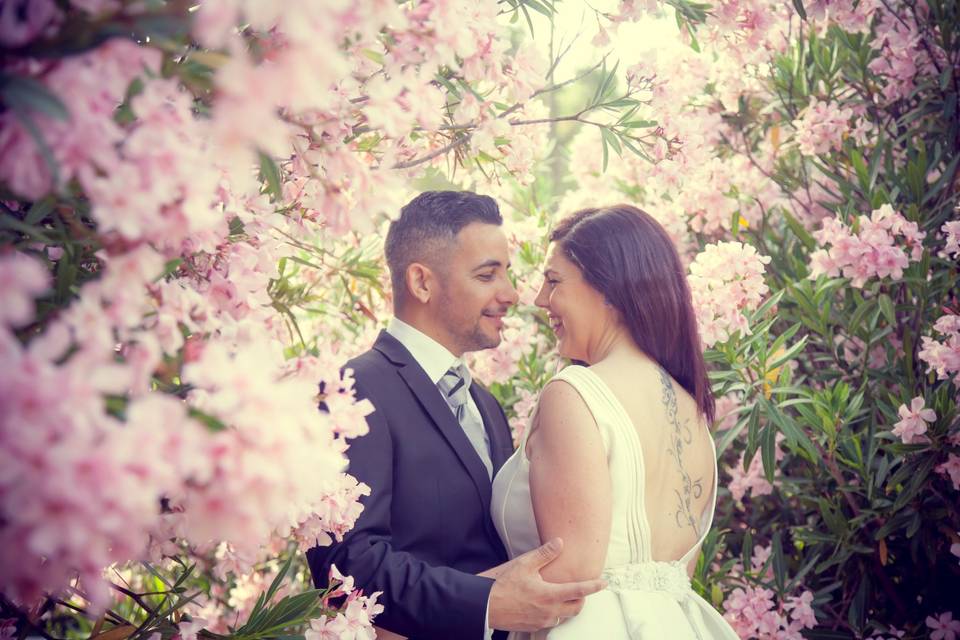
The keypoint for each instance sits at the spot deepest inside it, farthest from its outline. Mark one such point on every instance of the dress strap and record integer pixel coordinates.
(619, 433)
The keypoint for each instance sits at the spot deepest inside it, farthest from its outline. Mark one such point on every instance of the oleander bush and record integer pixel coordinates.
(192, 205)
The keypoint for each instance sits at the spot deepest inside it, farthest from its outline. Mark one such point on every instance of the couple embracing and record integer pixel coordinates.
(591, 528)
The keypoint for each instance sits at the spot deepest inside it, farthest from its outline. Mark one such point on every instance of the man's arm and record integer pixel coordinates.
(419, 600)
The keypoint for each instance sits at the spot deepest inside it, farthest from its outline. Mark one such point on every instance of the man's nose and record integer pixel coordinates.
(509, 294)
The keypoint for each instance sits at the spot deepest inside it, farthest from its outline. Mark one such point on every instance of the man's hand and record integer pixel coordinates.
(521, 600)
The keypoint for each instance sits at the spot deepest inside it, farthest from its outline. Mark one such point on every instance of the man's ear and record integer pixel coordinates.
(421, 283)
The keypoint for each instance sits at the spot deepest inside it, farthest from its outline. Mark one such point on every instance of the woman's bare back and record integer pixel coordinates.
(677, 451)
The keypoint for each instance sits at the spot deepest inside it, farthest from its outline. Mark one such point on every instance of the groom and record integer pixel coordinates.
(436, 439)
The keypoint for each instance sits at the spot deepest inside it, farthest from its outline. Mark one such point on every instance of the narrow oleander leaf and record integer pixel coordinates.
(538, 7)
(779, 563)
(270, 175)
(768, 448)
(26, 95)
(606, 152)
(40, 210)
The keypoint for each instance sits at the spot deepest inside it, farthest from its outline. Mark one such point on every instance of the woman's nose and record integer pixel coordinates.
(542, 300)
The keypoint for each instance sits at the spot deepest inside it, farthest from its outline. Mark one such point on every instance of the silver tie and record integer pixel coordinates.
(455, 387)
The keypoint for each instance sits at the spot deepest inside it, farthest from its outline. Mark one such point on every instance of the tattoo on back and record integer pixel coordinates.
(680, 437)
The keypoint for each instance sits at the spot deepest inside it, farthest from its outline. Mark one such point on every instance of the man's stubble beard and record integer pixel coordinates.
(472, 339)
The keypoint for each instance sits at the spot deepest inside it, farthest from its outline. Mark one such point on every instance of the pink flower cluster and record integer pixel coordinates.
(951, 469)
(245, 457)
(753, 612)
(903, 57)
(726, 279)
(748, 31)
(943, 356)
(523, 410)
(502, 363)
(821, 127)
(851, 17)
(91, 86)
(354, 621)
(885, 244)
(951, 249)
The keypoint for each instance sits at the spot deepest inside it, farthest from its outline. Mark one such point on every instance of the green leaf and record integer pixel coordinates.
(375, 56)
(9, 222)
(270, 174)
(861, 312)
(779, 565)
(539, 8)
(611, 139)
(526, 14)
(856, 616)
(40, 210)
(170, 267)
(211, 422)
(747, 549)
(768, 447)
(449, 86)
(861, 168)
(834, 521)
(236, 226)
(24, 95)
(733, 433)
(795, 436)
(886, 307)
(41, 142)
(789, 354)
(606, 152)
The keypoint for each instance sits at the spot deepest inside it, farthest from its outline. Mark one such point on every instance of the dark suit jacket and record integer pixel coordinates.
(425, 530)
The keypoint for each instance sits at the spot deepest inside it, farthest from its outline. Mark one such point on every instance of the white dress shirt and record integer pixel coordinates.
(435, 359)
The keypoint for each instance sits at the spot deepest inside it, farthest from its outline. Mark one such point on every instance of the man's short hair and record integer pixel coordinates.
(427, 226)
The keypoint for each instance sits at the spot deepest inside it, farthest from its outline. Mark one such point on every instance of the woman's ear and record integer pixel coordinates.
(420, 282)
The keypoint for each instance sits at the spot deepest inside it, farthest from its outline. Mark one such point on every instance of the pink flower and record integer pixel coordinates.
(951, 230)
(951, 468)
(944, 626)
(943, 356)
(189, 630)
(895, 634)
(22, 278)
(801, 611)
(912, 424)
(353, 622)
(23, 20)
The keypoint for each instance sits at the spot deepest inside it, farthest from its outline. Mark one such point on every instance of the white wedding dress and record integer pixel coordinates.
(645, 599)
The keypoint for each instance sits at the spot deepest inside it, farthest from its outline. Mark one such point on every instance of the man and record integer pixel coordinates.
(436, 440)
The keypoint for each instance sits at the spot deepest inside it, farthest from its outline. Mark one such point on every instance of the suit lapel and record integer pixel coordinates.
(430, 398)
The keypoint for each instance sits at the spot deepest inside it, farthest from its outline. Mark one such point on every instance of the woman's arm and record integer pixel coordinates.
(570, 483)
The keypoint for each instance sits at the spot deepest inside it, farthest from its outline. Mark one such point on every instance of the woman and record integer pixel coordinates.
(618, 460)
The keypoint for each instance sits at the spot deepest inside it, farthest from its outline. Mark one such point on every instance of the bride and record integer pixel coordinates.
(618, 460)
